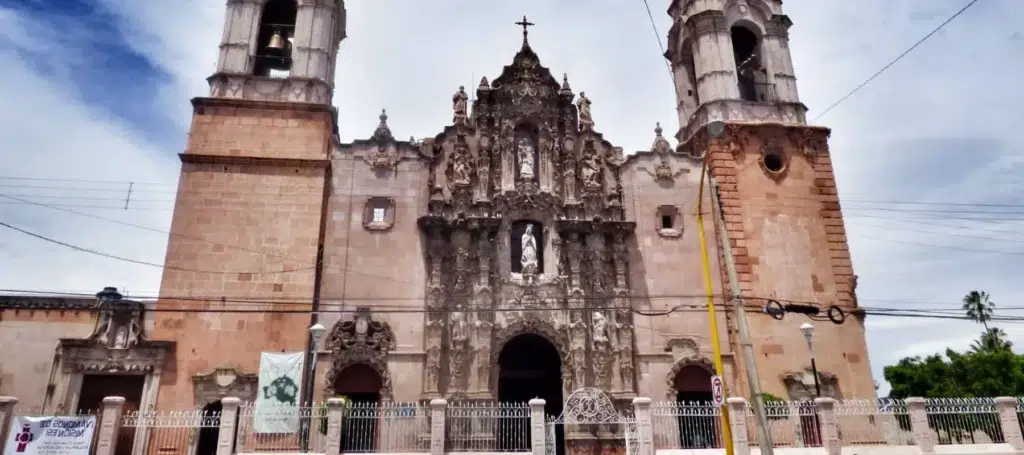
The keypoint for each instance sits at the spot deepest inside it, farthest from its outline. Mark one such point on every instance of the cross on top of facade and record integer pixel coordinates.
(525, 24)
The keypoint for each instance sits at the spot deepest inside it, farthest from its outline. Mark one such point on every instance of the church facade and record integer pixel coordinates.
(518, 252)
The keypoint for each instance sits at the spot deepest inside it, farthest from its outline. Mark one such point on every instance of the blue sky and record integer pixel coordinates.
(99, 90)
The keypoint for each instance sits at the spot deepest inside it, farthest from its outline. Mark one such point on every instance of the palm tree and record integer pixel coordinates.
(979, 307)
(992, 340)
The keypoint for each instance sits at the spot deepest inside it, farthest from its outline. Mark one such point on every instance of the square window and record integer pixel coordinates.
(378, 214)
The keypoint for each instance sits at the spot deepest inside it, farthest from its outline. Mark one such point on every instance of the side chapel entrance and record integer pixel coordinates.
(698, 428)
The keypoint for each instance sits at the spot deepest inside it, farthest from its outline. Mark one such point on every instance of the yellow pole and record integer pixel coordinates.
(716, 343)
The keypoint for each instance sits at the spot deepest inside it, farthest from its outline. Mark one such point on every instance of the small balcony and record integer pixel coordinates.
(758, 92)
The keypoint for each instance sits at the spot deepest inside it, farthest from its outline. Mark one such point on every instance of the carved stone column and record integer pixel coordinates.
(483, 167)
(569, 169)
(458, 351)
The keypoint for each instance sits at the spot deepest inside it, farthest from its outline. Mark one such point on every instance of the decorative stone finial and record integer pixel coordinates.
(484, 84)
(657, 129)
(383, 133)
(566, 90)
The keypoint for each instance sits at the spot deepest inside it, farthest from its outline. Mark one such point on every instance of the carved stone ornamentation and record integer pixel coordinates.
(117, 343)
(361, 341)
(385, 156)
(460, 106)
(224, 381)
(583, 105)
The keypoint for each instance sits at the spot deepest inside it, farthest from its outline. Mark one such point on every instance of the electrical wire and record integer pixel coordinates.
(893, 62)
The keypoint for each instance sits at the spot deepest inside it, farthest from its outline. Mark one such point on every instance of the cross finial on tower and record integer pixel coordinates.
(525, 23)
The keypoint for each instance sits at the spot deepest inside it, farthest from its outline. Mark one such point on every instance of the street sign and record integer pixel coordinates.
(717, 391)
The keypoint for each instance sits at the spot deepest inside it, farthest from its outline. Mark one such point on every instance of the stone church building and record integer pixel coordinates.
(519, 252)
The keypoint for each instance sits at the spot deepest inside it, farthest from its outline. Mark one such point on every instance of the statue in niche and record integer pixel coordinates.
(600, 326)
(592, 169)
(528, 243)
(460, 162)
(583, 105)
(460, 331)
(460, 101)
(526, 154)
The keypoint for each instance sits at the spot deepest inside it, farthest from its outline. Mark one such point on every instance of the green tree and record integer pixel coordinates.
(979, 307)
(992, 369)
(992, 340)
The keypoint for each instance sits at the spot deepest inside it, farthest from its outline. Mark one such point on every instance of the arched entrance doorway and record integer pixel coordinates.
(529, 366)
(209, 430)
(698, 428)
(361, 384)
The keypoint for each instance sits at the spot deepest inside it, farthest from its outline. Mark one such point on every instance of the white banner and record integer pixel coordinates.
(64, 435)
(280, 393)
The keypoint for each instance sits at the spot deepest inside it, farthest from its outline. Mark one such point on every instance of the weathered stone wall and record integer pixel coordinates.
(665, 264)
(30, 338)
(381, 267)
(789, 243)
(250, 200)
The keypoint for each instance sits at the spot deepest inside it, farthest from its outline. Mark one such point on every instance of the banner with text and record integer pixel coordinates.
(63, 435)
(279, 395)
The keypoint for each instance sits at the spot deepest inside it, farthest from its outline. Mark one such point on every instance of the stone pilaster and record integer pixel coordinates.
(538, 435)
(1007, 409)
(923, 436)
(644, 428)
(738, 425)
(110, 424)
(335, 417)
(437, 425)
(829, 425)
(228, 421)
(6, 413)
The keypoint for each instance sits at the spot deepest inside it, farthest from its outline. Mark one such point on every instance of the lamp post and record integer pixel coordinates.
(316, 332)
(808, 331)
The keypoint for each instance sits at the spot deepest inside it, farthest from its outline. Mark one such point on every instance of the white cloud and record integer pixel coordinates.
(926, 130)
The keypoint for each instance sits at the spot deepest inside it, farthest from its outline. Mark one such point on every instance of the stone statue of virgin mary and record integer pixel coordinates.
(525, 152)
(528, 244)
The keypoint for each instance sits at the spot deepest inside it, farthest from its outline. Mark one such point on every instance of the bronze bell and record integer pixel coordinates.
(276, 41)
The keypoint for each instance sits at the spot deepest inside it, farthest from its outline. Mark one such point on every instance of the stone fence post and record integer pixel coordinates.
(437, 425)
(829, 425)
(1007, 409)
(228, 421)
(923, 435)
(738, 425)
(6, 414)
(335, 419)
(644, 427)
(538, 434)
(110, 425)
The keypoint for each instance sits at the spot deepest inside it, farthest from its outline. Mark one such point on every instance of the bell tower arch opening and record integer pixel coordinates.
(750, 74)
(693, 395)
(272, 56)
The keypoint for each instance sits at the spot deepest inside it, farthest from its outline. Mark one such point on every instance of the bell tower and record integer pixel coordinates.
(249, 217)
(774, 188)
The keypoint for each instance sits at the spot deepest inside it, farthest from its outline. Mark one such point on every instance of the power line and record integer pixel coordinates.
(893, 62)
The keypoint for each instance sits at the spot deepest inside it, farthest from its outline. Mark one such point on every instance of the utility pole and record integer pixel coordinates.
(764, 438)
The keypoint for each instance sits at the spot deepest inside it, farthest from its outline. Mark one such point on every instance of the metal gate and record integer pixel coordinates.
(589, 408)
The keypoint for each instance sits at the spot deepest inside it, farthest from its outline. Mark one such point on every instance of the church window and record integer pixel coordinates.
(668, 221)
(379, 213)
(752, 79)
(272, 56)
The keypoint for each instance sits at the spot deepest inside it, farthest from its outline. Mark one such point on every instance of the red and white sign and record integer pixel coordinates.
(717, 391)
(60, 435)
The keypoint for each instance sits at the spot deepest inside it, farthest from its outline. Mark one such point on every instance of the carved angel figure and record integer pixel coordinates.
(583, 105)
(528, 243)
(461, 170)
(526, 165)
(460, 102)
(600, 326)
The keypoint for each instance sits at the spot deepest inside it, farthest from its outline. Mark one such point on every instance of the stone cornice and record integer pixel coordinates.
(198, 158)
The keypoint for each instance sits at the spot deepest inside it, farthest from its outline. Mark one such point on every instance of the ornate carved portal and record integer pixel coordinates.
(361, 341)
(525, 232)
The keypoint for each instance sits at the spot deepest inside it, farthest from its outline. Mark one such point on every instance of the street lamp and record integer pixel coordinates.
(316, 332)
(808, 331)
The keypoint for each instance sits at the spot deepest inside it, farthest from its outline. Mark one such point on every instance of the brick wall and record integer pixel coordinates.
(788, 240)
